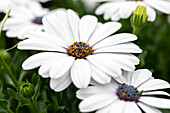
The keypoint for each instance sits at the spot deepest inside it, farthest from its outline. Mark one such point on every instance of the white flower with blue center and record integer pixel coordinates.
(131, 94)
(118, 9)
(79, 49)
(24, 19)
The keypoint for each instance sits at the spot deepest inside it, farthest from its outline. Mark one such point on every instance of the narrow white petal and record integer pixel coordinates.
(156, 93)
(94, 90)
(61, 66)
(118, 106)
(87, 25)
(81, 73)
(74, 23)
(148, 109)
(116, 39)
(106, 64)
(153, 85)
(156, 102)
(61, 83)
(140, 76)
(96, 102)
(131, 107)
(161, 5)
(120, 48)
(151, 14)
(104, 31)
(100, 76)
(38, 59)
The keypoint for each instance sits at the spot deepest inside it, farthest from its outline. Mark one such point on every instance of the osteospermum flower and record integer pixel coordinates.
(79, 49)
(123, 8)
(130, 95)
(25, 18)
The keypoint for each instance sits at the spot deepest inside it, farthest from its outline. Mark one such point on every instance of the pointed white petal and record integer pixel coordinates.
(120, 48)
(81, 73)
(140, 76)
(61, 66)
(116, 39)
(38, 59)
(74, 23)
(153, 85)
(106, 64)
(151, 14)
(148, 109)
(61, 83)
(156, 93)
(131, 107)
(156, 102)
(100, 76)
(87, 25)
(96, 102)
(104, 31)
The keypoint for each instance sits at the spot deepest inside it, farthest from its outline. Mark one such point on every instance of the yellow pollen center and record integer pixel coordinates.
(79, 50)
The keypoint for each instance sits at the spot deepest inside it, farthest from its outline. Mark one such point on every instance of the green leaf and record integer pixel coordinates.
(36, 80)
(61, 109)
(49, 107)
(4, 104)
(1, 88)
(17, 96)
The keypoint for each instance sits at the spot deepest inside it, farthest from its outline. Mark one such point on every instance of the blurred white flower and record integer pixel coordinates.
(25, 18)
(123, 8)
(130, 95)
(79, 49)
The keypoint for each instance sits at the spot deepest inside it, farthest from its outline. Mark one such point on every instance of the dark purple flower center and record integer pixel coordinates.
(128, 93)
(37, 20)
(79, 50)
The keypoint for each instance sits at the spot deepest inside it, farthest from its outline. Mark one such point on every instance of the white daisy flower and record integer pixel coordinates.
(123, 8)
(25, 18)
(130, 95)
(85, 49)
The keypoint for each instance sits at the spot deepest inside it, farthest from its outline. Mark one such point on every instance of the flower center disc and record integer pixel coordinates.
(128, 93)
(37, 20)
(79, 50)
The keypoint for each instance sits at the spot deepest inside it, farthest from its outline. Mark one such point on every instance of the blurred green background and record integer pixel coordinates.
(154, 39)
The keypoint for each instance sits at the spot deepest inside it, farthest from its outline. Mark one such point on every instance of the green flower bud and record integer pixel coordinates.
(139, 18)
(27, 89)
(5, 55)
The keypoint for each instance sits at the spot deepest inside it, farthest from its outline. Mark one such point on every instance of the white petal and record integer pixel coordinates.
(94, 90)
(61, 66)
(106, 64)
(81, 73)
(87, 25)
(161, 5)
(151, 14)
(61, 83)
(118, 106)
(38, 59)
(104, 31)
(148, 109)
(121, 48)
(153, 85)
(116, 39)
(131, 107)
(100, 76)
(140, 76)
(156, 93)
(96, 102)
(74, 23)
(156, 102)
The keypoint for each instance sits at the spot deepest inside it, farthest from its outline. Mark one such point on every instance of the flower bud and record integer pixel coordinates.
(139, 18)
(27, 89)
(5, 55)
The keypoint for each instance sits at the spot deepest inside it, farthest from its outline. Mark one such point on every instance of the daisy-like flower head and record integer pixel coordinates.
(25, 18)
(79, 49)
(131, 94)
(118, 9)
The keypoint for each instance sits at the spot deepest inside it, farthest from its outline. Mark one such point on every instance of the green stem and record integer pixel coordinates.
(8, 71)
(135, 31)
(34, 105)
(9, 111)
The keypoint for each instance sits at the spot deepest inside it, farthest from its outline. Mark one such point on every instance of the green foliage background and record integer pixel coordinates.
(154, 39)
